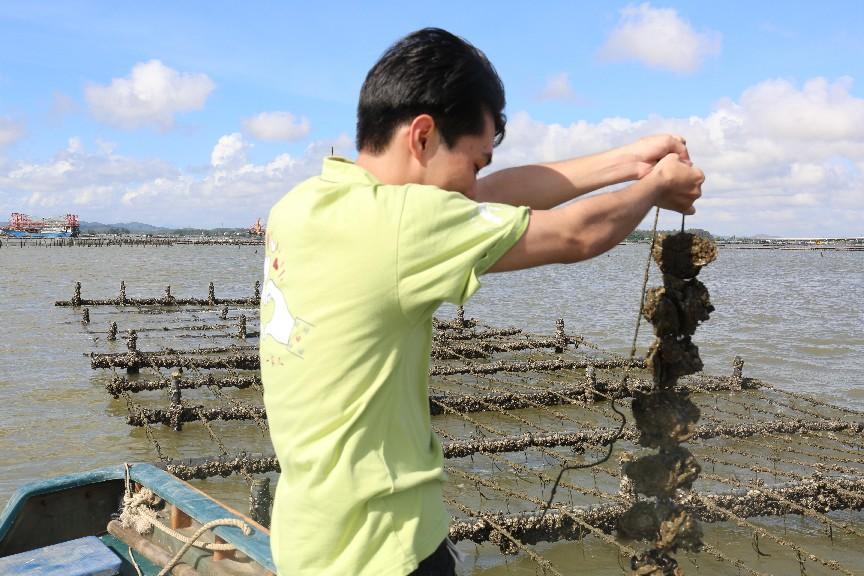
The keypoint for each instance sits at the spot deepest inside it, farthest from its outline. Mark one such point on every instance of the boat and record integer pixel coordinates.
(23, 226)
(257, 229)
(72, 526)
(45, 234)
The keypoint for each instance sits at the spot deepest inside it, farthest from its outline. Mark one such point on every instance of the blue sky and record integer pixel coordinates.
(204, 114)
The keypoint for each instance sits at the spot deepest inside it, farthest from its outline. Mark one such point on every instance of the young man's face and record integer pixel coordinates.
(456, 168)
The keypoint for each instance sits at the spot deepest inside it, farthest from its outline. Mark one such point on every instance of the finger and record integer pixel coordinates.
(689, 211)
(684, 153)
(678, 144)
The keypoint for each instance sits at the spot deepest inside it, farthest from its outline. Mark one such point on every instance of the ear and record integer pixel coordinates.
(422, 137)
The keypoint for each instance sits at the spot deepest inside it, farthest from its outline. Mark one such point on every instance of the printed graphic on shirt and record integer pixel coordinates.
(488, 212)
(282, 326)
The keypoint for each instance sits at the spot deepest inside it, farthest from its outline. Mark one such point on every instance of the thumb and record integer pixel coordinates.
(671, 158)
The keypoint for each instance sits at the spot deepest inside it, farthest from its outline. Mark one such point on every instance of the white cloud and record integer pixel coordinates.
(74, 176)
(104, 186)
(780, 158)
(281, 126)
(820, 111)
(558, 87)
(260, 185)
(659, 38)
(229, 151)
(152, 94)
(801, 176)
(91, 194)
(10, 131)
(146, 192)
(75, 145)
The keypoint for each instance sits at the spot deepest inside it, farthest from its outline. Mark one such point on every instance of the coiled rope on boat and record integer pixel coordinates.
(138, 514)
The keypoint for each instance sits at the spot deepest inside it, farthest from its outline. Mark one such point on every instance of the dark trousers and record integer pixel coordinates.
(439, 563)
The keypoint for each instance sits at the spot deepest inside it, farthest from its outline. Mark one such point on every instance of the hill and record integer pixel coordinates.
(141, 228)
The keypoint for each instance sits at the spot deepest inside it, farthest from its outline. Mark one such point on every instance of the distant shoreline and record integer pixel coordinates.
(811, 244)
(97, 240)
(100, 240)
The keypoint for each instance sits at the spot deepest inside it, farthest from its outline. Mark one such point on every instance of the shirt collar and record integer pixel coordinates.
(338, 169)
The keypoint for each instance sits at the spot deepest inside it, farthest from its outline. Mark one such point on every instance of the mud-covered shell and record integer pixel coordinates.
(678, 307)
(680, 530)
(640, 522)
(683, 254)
(694, 302)
(665, 418)
(664, 522)
(671, 357)
(662, 473)
(661, 312)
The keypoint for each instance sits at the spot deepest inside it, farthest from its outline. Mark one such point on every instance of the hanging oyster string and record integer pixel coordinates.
(666, 416)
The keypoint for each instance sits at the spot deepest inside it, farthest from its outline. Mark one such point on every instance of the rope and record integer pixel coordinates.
(645, 282)
(623, 423)
(831, 564)
(610, 448)
(137, 514)
(134, 563)
(544, 564)
(694, 500)
(192, 541)
(588, 527)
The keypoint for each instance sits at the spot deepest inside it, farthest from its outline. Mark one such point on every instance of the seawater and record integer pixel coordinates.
(796, 317)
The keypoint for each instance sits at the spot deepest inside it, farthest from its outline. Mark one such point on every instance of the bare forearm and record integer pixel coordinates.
(597, 224)
(544, 186)
(581, 230)
(593, 225)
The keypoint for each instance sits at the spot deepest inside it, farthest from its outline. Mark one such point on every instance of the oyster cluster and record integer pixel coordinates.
(665, 416)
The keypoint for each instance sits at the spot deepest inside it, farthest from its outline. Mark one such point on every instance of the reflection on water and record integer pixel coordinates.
(797, 318)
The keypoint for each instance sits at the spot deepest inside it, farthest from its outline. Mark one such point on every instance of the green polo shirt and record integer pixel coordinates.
(354, 270)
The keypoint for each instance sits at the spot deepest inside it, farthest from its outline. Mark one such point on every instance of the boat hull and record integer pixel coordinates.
(23, 234)
(65, 508)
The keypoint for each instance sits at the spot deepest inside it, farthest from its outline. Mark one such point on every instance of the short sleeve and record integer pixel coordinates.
(446, 241)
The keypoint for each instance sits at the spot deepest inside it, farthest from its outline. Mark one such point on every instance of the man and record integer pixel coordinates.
(357, 261)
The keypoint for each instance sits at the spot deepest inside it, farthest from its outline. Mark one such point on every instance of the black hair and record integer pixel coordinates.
(430, 71)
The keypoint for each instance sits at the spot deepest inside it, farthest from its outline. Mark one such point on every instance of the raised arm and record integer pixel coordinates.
(591, 226)
(544, 186)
